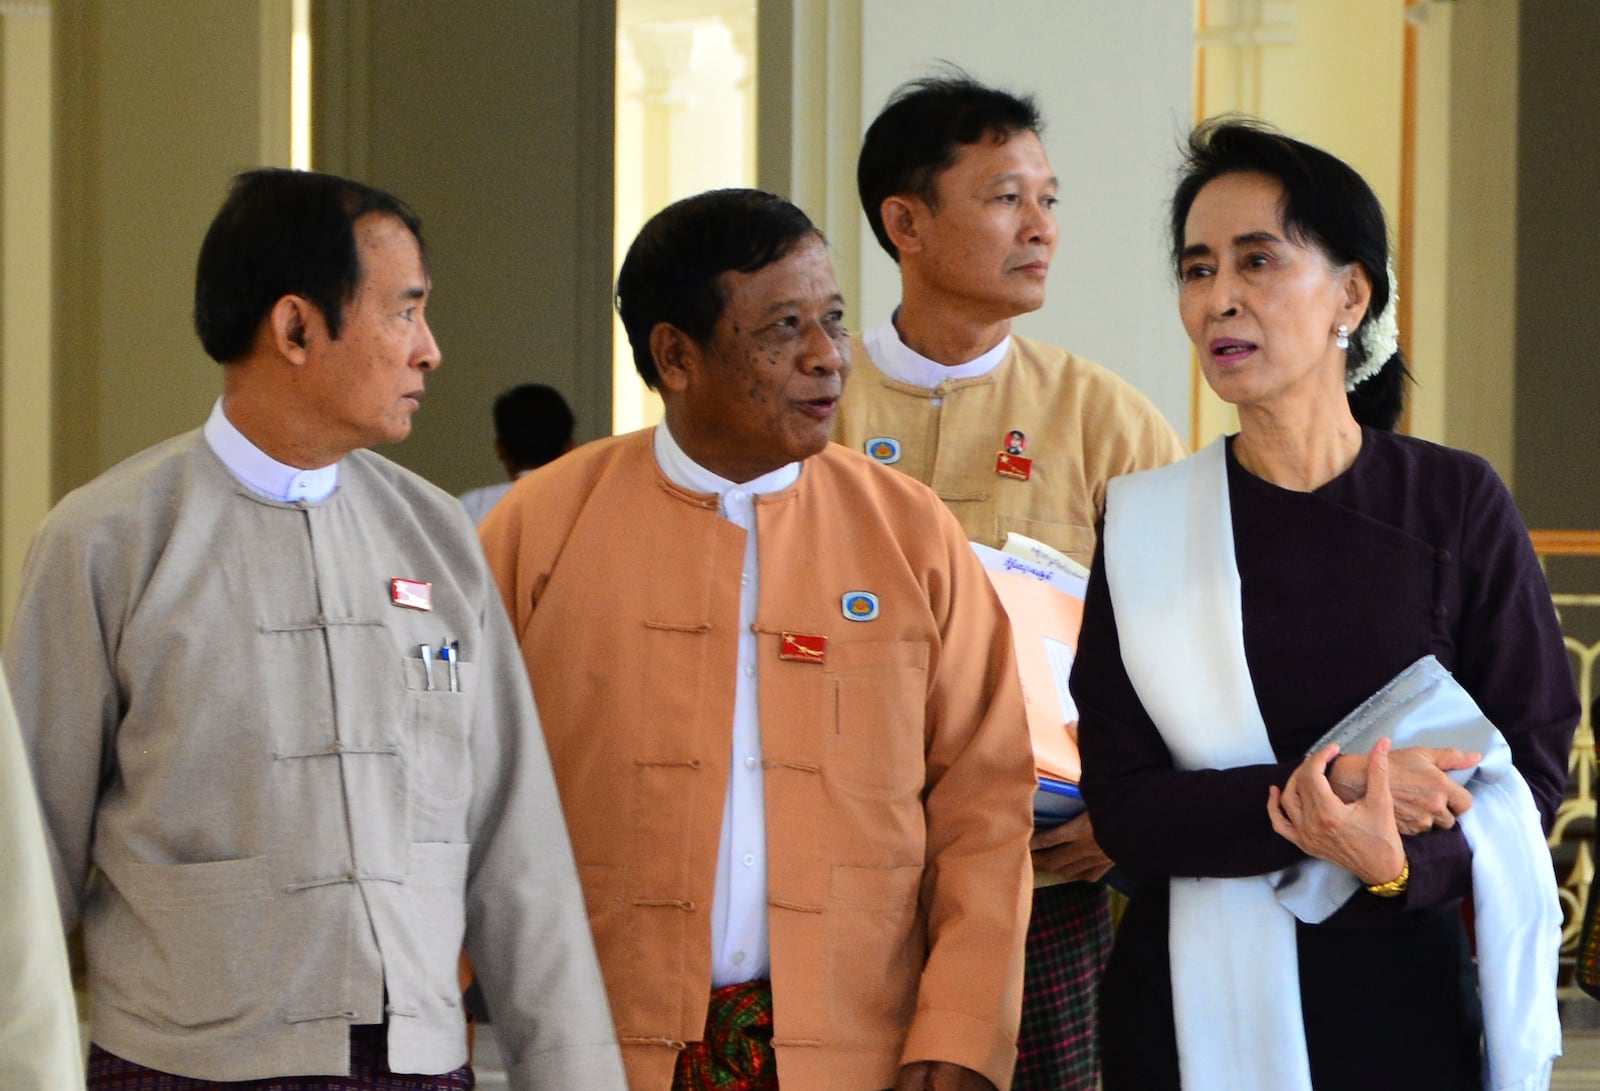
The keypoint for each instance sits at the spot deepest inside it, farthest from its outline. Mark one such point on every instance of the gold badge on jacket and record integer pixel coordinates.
(1010, 462)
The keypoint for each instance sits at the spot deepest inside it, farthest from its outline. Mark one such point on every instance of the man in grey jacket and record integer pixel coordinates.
(281, 733)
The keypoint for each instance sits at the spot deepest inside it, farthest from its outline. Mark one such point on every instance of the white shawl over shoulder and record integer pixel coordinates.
(1174, 584)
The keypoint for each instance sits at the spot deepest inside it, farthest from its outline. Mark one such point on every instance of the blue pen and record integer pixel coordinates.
(448, 652)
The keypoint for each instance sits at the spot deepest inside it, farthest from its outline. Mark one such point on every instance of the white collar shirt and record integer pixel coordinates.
(739, 935)
(259, 471)
(906, 365)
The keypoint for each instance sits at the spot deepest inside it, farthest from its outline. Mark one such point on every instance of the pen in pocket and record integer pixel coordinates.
(450, 653)
(426, 652)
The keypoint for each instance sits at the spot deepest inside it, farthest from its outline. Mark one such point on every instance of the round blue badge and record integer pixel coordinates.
(859, 605)
(883, 449)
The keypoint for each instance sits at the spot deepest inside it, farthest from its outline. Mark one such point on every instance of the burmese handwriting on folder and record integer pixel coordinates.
(1042, 592)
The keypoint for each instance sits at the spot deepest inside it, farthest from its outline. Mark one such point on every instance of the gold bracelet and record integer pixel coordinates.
(1396, 886)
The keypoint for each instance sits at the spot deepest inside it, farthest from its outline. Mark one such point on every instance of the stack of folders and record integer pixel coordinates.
(1042, 591)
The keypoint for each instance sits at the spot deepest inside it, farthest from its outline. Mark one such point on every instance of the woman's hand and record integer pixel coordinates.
(1070, 850)
(1425, 797)
(1361, 837)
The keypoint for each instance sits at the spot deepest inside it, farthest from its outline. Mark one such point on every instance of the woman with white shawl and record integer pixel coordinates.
(1323, 693)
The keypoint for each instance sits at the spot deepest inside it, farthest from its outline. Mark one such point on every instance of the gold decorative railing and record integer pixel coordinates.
(1572, 560)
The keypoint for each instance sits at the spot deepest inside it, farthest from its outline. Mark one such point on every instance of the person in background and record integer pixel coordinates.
(532, 425)
(1014, 435)
(39, 1046)
(1300, 920)
(287, 754)
(780, 695)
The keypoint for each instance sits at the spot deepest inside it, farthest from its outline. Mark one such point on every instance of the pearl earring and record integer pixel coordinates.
(1342, 336)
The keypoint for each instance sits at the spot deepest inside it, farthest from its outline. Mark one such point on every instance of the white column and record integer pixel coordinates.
(25, 300)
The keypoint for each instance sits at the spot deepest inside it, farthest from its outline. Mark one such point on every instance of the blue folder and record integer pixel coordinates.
(1055, 802)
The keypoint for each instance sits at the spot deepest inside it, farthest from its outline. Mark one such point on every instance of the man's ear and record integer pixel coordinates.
(287, 325)
(675, 354)
(902, 218)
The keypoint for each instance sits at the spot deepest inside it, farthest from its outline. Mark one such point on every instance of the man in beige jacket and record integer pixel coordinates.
(287, 757)
(780, 698)
(1015, 436)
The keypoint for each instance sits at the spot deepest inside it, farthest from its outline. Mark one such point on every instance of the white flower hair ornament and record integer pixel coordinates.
(1379, 340)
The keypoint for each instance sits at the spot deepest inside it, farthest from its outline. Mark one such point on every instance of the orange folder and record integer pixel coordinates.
(1045, 619)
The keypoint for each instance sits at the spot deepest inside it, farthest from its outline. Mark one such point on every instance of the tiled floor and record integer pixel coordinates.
(1579, 1066)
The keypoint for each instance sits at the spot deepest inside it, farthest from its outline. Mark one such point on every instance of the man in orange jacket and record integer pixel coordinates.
(780, 698)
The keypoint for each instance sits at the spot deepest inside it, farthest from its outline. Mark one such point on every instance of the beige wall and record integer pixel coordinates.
(1428, 279)
(157, 110)
(24, 290)
(808, 104)
(1481, 233)
(1558, 265)
(494, 121)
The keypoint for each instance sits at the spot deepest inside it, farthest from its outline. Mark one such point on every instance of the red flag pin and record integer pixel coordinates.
(1007, 464)
(412, 594)
(803, 648)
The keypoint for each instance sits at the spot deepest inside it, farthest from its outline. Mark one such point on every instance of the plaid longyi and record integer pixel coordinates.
(1069, 939)
(736, 1054)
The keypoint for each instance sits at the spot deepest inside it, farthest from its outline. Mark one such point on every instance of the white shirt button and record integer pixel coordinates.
(750, 669)
(749, 859)
(751, 763)
(738, 958)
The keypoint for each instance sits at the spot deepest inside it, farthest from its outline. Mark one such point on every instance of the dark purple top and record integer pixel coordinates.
(1414, 549)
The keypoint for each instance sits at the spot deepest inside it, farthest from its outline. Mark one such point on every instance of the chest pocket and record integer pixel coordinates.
(436, 723)
(879, 693)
